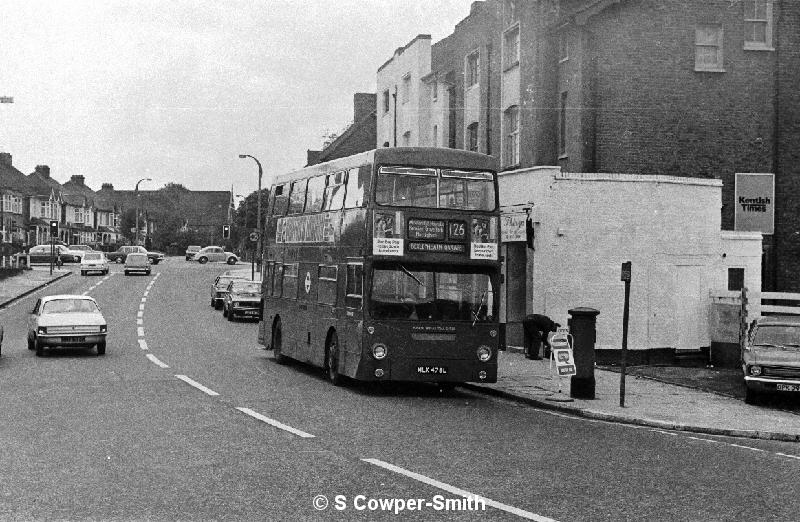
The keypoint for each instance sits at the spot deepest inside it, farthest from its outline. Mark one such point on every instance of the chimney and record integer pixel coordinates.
(363, 105)
(5, 159)
(77, 179)
(312, 157)
(107, 186)
(43, 170)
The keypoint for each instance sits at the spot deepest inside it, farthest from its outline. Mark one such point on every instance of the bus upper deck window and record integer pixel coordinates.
(297, 197)
(334, 191)
(355, 190)
(281, 201)
(315, 194)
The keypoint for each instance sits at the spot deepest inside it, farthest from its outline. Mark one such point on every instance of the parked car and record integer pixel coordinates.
(137, 262)
(215, 253)
(191, 250)
(67, 321)
(118, 256)
(81, 248)
(42, 254)
(94, 262)
(220, 287)
(771, 357)
(242, 299)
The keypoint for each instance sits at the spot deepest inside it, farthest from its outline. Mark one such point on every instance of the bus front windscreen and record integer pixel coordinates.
(435, 188)
(426, 294)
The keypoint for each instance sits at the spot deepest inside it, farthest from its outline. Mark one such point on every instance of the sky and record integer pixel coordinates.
(119, 90)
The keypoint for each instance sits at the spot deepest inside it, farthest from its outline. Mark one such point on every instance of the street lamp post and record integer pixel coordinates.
(136, 196)
(258, 211)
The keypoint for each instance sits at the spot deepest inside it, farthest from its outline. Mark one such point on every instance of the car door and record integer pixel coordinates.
(219, 254)
(32, 317)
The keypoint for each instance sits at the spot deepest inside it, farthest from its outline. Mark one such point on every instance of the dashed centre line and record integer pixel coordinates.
(273, 422)
(142, 344)
(197, 385)
(458, 491)
(156, 361)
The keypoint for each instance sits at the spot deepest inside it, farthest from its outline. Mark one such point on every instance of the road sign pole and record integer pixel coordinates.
(626, 277)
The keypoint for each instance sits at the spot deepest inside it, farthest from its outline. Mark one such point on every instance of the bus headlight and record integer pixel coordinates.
(755, 370)
(379, 351)
(484, 353)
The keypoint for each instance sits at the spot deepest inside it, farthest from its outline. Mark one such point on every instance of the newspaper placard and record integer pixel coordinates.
(483, 251)
(387, 246)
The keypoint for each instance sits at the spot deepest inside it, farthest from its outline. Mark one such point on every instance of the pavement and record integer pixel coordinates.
(648, 400)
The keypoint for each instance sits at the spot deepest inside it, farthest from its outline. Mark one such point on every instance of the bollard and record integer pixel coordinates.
(582, 326)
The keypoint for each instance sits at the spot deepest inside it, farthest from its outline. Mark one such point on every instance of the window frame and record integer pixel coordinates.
(472, 66)
(293, 273)
(509, 62)
(472, 141)
(324, 284)
(755, 45)
(386, 101)
(316, 205)
(562, 125)
(349, 297)
(511, 136)
(293, 199)
(405, 95)
(719, 66)
(563, 46)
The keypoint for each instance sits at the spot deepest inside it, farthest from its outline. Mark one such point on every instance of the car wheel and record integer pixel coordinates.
(752, 396)
(230, 316)
(83, 272)
(148, 272)
(39, 348)
(231, 260)
(332, 359)
(118, 260)
(213, 303)
(203, 260)
(31, 345)
(224, 311)
(101, 348)
(277, 343)
(126, 272)
(105, 272)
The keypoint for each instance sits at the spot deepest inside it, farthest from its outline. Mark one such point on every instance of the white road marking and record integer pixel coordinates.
(790, 456)
(197, 385)
(275, 423)
(745, 447)
(706, 440)
(145, 293)
(458, 491)
(139, 313)
(142, 344)
(141, 306)
(665, 432)
(140, 321)
(144, 299)
(140, 331)
(155, 360)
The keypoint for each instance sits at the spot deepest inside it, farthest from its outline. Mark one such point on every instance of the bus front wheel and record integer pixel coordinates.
(332, 359)
(277, 342)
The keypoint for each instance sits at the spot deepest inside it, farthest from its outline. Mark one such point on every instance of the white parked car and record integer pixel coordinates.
(215, 253)
(66, 321)
(94, 262)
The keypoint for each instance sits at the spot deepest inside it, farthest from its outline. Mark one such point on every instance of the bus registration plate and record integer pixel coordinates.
(432, 370)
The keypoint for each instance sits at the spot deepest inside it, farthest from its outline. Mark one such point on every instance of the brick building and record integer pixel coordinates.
(359, 136)
(650, 87)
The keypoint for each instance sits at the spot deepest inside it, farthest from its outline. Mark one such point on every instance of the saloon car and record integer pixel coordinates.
(94, 262)
(242, 299)
(771, 357)
(215, 253)
(219, 288)
(137, 262)
(191, 250)
(119, 256)
(66, 321)
(42, 254)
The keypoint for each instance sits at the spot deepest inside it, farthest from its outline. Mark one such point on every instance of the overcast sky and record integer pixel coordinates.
(176, 90)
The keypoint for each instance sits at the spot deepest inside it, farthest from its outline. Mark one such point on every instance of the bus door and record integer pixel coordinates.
(310, 342)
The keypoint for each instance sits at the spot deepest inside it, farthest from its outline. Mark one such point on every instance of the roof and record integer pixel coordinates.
(67, 296)
(13, 179)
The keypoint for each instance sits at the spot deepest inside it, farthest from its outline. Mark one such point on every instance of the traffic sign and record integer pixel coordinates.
(253, 236)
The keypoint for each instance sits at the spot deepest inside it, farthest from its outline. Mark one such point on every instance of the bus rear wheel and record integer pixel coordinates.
(332, 360)
(277, 343)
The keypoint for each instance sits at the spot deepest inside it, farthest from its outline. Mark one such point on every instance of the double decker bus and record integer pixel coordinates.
(383, 266)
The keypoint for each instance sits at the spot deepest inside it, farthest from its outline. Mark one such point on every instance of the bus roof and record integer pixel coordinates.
(412, 156)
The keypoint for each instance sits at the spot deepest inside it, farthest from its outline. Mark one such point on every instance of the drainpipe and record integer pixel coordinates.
(394, 132)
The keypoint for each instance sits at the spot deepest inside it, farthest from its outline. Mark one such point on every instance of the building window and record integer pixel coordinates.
(386, 101)
(708, 48)
(563, 47)
(435, 136)
(510, 12)
(435, 90)
(562, 125)
(471, 73)
(407, 139)
(735, 279)
(511, 48)
(12, 204)
(758, 24)
(406, 88)
(511, 122)
(472, 137)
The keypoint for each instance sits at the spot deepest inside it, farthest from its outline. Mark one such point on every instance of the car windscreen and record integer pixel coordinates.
(65, 306)
(246, 288)
(435, 188)
(90, 256)
(431, 294)
(777, 335)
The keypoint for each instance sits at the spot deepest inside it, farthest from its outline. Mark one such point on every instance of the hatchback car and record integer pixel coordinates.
(215, 253)
(94, 262)
(243, 299)
(66, 321)
(219, 288)
(191, 250)
(771, 357)
(137, 263)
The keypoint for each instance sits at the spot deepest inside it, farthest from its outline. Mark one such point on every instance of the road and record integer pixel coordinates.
(187, 418)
